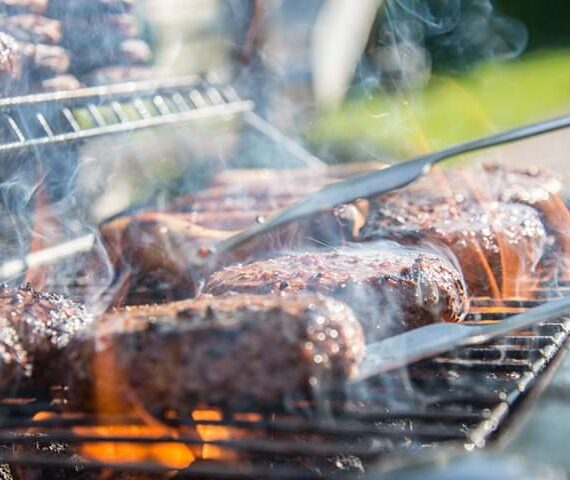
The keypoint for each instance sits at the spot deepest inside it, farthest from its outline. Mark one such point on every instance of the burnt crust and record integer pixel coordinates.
(484, 236)
(35, 328)
(390, 287)
(231, 351)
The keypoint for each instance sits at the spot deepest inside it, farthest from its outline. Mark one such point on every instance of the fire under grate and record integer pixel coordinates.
(462, 400)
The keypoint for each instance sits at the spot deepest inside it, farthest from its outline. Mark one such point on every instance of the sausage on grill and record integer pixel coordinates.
(231, 351)
(35, 327)
(390, 287)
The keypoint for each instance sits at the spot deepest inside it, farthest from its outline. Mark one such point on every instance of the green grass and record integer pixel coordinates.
(491, 97)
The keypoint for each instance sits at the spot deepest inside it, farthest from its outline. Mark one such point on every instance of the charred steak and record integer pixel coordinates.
(35, 328)
(498, 245)
(155, 248)
(230, 350)
(389, 286)
(467, 188)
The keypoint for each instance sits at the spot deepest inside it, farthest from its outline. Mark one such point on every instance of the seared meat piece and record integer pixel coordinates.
(32, 28)
(23, 6)
(158, 249)
(161, 249)
(542, 190)
(498, 245)
(231, 351)
(390, 287)
(443, 203)
(35, 327)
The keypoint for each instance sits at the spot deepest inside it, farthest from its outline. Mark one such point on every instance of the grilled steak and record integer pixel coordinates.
(160, 249)
(459, 209)
(390, 287)
(35, 328)
(44, 60)
(157, 249)
(542, 190)
(498, 245)
(230, 351)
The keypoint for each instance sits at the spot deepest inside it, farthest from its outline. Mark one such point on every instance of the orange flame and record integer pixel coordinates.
(210, 433)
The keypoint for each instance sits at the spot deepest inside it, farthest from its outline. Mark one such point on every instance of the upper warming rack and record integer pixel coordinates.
(34, 121)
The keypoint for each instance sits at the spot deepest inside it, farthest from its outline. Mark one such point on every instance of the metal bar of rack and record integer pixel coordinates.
(41, 120)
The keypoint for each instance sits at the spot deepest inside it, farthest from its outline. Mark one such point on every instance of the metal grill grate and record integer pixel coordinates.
(34, 121)
(461, 399)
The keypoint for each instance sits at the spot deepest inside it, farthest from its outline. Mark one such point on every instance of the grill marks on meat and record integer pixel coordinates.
(230, 351)
(541, 190)
(498, 245)
(155, 248)
(486, 208)
(389, 286)
(35, 327)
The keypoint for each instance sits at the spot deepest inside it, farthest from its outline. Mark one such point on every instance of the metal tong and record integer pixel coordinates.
(429, 341)
(372, 184)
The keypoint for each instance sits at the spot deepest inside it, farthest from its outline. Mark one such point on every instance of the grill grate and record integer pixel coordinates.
(458, 400)
(34, 121)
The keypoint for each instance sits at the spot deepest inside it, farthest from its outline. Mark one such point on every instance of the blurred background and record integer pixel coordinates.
(373, 77)
(366, 80)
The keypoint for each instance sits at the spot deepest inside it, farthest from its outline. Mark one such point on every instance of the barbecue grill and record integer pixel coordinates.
(460, 401)
(457, 402)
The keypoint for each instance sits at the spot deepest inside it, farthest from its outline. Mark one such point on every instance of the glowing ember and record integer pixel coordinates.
(170, 454)
(210, 433)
